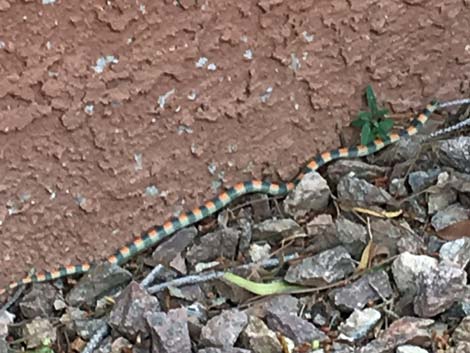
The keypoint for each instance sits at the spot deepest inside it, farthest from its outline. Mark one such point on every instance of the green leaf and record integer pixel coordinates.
(359, 123)
(382, 112)
(366, 134)
(386, 125)
(371, 100)
(364, 116)
(260, 288)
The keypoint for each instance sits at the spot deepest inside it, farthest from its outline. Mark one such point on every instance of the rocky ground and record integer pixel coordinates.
(373, 255)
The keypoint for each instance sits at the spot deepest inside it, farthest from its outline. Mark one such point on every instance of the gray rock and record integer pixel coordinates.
(321, 232)
(361, 170)
(274, 229)
(39, 302)
(405, 330)
(440, 200)
(283, 303)
(103, 279)
(457, 181)
(455, 153)
(128, 314)
(416, 210)
(360, 191)
(371, 287)
(169, 249)
(402, 150)
(457, 251)
(408, 348)
(259, 338)
(450, 215)
(79, 322)
(340, 347)
(197, 317)
(439, 289)
(3, 346)
(420, 180)
(169, 331)
(325, 268)
(224, 350)
(37, 330)
(407, 267)
(297, 329)
(397, 187)
(222, 242)
(311, 194)
(358, 324)
(395, 236)
(352, 236)
(261, 207)
(462, 331)
(223, 330)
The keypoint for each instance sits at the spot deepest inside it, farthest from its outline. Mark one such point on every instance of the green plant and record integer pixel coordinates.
(373, 124)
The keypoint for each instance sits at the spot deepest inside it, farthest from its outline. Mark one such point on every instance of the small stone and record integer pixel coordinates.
(78, 321)
(273, 229)
(405, 330)
(259, 338)
(360, 191)
(439, 289)
(311, 194)
(222, 242)
(462, 331)
(455, 153)
(166, 251)
(457, 251)
(128, 314)
(36, 331)
(297, 329)
(450, 215)
(169, 331)
(397, 187)
(441, 200)
(407, 348)
(39, 302)
(103, 279)
(358, 324)
(407, 267)
(223, 330)
(325, 268)
(224, 350)
(361, 170)
(352, 236)
(421, 180)
(371, 287)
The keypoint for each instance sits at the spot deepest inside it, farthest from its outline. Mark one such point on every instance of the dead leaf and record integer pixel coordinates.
(455, 231)
(365, 257)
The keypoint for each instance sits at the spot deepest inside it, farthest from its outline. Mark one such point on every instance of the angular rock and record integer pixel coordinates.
(224, 350)
(361, 170)
(457, 251)
(169, 249)
(420, 180)
(357, 295)
(39, 302)
(462, 331)
(3, 346)
(222, 242)
(281, 303)
(128, 314)
(408, 348)
(102, 280)
(450, 215)
(440, 200)
(406, 269)
(297, 329)
(261, 207)
(325, 268)
(321, 232)
(275, 229)
(402, 150)
(259, 338)
(311, 194)
(169, 331)
(353, 236)
(406, 330)
(394, 235)
(37, 330)
(439, 289)
(223, 330)
(358, 324)
(414, 208)
(361, 192)
(455, 153)
(397, 188)
(79, 322)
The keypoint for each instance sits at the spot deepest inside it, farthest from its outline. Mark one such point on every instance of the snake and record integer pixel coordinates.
(157, 233)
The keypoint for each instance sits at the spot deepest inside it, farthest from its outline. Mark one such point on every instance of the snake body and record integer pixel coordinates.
(157, 233)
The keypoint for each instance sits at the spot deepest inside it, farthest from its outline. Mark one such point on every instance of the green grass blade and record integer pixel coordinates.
(274, 287)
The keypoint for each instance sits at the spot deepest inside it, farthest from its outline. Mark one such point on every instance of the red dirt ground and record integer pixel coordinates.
(79, 147)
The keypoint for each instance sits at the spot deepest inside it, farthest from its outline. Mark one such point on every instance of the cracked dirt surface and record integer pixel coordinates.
(115, 115)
